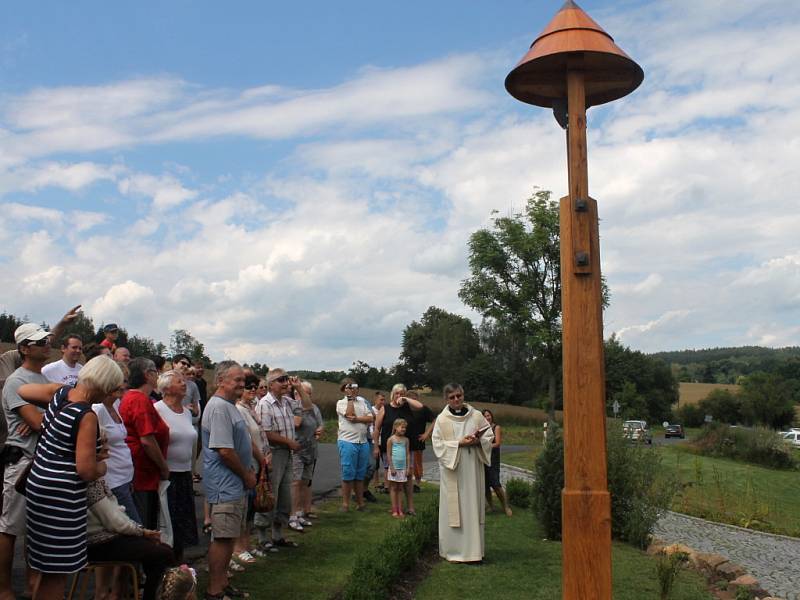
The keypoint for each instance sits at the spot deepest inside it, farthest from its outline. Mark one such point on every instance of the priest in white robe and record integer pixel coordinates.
(462, 441)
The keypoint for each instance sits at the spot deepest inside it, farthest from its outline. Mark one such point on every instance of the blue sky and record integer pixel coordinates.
(295, 183)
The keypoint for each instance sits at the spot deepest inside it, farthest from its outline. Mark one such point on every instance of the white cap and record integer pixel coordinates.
(30, 332)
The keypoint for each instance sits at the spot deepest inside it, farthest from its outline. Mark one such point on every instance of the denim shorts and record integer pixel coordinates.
(354, 459)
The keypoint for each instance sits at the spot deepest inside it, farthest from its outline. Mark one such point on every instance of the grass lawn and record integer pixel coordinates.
(733, 492)
(520, 564)
(523, 460)
(324, 560)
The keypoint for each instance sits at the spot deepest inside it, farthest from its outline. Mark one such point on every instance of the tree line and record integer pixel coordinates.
(730, 365)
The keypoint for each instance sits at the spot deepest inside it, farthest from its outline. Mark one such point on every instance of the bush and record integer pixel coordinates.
(758, 445)
(376, 569)
(519, 492)
(690, 415)
(639, 491)
(548, 483)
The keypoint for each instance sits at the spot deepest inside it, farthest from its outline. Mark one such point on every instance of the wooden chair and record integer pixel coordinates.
(81, 579)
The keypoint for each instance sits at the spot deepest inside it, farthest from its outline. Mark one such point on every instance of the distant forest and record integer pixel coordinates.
(729, 365)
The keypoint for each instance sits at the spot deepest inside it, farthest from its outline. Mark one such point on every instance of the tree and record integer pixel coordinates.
(768, 400)
(436, 349)
(8, 324)
(723, 405)
(651, 377)
(183, 342)
(82, 326)
(144, 346)
(515, 279)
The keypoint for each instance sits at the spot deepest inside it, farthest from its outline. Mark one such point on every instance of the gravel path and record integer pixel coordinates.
(772, 559)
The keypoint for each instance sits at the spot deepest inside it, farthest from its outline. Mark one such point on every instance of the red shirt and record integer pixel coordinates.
(141, 418)
(109, 344)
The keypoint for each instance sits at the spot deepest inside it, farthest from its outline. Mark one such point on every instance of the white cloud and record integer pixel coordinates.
(166, 191)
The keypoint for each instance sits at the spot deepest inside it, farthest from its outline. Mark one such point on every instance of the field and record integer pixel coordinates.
(692, 393)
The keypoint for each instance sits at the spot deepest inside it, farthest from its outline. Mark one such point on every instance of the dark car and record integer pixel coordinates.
(674, 430)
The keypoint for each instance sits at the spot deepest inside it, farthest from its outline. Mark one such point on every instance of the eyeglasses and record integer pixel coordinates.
(282, 379)
(251, 388)
(262, 387)
(42, 342)
(455, 396)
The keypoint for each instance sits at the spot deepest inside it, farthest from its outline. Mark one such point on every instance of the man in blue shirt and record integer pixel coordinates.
(227, 473)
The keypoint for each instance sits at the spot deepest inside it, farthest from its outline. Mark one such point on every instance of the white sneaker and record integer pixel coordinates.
(304, 522)
(295, 525)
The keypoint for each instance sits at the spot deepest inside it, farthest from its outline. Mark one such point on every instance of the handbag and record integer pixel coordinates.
(264, 500)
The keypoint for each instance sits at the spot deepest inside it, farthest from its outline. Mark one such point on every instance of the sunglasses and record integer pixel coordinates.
(282, 379)
(251, 388)
(184, 363)
(42, 342)
(455, 396)
(351, 386)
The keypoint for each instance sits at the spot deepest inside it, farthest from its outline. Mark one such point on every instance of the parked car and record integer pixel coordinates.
(638, 431)
(674, 430)
(791, 437)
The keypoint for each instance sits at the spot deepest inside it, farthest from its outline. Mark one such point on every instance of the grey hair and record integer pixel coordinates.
(222, 369)
(397, 387)
(165, 380)
(307, 386)
(450, 388)
(101, 373)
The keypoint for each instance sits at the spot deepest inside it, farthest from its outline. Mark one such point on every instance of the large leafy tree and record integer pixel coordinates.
(437, 348)
(183, 342)
(515, 280)
(767, 399)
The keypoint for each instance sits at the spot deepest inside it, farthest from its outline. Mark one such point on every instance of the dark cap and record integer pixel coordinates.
(110, 327)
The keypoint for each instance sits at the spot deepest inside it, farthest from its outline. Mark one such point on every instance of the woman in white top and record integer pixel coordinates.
(119, 464)
(182, 439)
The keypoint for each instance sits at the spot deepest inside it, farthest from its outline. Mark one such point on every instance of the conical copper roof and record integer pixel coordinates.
(573, 39)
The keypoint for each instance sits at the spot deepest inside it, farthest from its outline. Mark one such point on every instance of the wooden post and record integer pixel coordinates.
(585, 501)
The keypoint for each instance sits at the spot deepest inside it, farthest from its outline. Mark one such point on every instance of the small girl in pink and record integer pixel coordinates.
(399, 457)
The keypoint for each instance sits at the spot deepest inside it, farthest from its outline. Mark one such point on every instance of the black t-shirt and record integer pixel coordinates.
(419, 420)
(390, 415)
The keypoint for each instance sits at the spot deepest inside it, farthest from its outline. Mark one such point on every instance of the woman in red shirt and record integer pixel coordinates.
(148, 437)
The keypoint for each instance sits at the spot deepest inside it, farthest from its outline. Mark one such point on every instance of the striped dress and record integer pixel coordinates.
(56, 495)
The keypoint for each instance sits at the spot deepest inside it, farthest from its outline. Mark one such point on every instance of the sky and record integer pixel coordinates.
(294, 183)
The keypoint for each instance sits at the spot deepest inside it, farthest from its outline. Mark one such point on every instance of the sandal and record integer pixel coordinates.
(284, 543)
(246, 558)
(411, 513)
(235, 592)
(235, 567)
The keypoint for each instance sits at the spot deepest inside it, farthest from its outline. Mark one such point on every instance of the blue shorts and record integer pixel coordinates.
(354, 459)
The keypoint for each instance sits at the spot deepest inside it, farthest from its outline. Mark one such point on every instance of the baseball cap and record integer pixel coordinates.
(31, 332)
(110, 327)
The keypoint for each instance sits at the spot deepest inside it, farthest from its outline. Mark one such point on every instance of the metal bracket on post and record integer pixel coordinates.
(581, 226)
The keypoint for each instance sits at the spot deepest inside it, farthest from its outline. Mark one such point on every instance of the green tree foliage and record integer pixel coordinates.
(83, 326)
(437, 348)
(651, 379)
(768, 400)
(728, 365)
(144, 346)
(372, 377)
(723, 405)
(8, 324)
(515, 279)
(183, 342)
(516, 379)
(487, 380)
(689, 415)
(632, 404)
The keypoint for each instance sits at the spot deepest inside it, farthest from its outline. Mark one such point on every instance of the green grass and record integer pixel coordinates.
(324, 560)
(524, 459)
(733, 492)
(520, 564)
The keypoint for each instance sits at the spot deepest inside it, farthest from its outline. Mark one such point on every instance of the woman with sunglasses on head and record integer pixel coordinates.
(180, 452)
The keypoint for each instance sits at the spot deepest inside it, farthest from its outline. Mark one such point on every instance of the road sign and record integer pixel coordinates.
(615, 408)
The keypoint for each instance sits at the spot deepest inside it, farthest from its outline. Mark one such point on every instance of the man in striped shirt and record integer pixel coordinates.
(275, 412)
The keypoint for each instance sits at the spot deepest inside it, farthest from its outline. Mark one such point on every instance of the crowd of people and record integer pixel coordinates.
(100, 461)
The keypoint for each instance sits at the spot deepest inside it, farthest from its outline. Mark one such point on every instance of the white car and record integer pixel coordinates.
(637, 431)
(791, 437)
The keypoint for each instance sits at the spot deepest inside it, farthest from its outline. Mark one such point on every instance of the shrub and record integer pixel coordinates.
(723, 405)
(548, 483)
(376, 569)
(519, 492)
(639, 491)
(667, 569)
(691, 415)
(758, 445)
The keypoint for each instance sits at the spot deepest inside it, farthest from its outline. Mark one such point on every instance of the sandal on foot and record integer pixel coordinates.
(235, 567)
(246, 558)
(235, 592)
(284, 543)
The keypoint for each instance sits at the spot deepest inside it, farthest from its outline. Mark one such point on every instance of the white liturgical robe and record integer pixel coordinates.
(462, 503)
